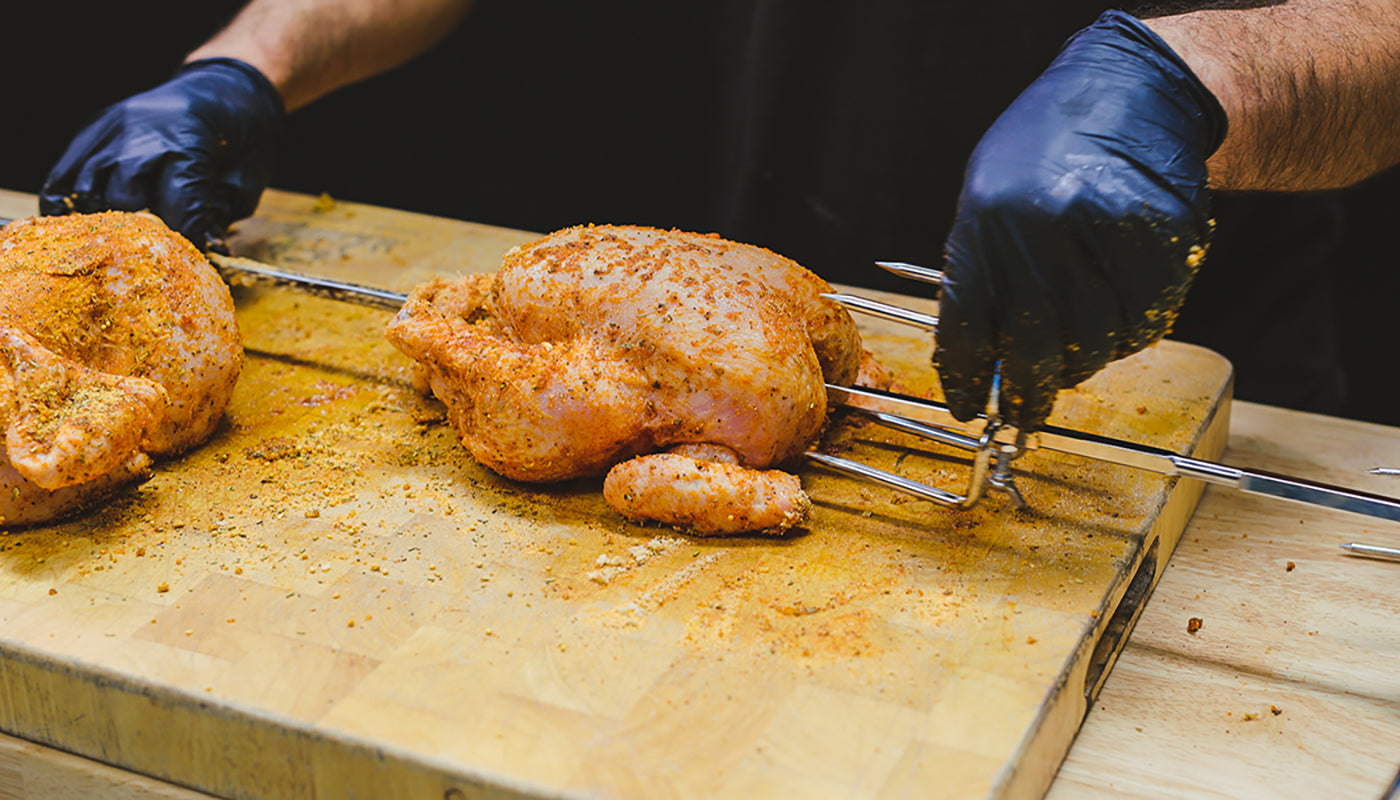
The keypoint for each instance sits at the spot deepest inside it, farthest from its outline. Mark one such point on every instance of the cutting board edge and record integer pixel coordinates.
(303, 759)
(1028, 776)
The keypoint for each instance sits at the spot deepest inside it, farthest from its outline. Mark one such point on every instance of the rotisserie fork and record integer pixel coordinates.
(995, 446)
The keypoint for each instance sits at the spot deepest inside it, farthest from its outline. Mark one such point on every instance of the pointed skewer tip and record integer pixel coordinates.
(912, 271)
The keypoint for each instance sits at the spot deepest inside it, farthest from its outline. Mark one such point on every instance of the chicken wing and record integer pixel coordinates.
(118, 343)
(597, 348)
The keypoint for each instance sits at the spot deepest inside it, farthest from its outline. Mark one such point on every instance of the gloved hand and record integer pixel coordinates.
(1082, 219)
(197, 151)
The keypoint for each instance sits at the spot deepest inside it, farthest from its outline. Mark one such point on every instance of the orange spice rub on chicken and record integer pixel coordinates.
(118, 343)
(686, 367)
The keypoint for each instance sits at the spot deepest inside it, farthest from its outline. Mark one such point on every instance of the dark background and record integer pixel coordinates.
(484, 128)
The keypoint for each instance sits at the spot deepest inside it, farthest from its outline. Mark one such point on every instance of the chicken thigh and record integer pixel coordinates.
(685, 365)
(118, 343)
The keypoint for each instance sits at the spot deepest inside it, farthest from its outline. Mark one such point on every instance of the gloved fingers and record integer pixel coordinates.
(213, 191)
(57, 202)
(1151, 305)
(68, 187)
(1032, 343)
(82, 191)
(100, 184)
(56, 198)
(126, 184)
(242, 185)
(224, 204)
(1010, 280)
(1089, 307)
(128, 172)
(1032, 372)
(190, 200)
(965, 354)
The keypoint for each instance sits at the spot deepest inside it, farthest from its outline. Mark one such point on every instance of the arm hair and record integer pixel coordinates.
(309, 48)
(1311, 88)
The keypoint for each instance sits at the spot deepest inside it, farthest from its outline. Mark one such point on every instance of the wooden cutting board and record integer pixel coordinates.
(330, 599)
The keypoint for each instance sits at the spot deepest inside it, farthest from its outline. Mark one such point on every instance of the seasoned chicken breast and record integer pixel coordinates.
(598, 345)
(118, 343)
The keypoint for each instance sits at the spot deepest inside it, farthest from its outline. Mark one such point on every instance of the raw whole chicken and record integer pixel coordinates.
(686, 366)
(118, 343)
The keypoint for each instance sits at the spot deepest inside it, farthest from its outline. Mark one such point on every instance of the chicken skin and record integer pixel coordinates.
(687, 365)
(118, 344)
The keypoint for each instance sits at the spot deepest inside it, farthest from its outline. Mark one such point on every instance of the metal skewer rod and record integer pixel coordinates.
(239, 271)
(1128, 454)
(875, 308)
(856, 469)
(912, 271)
(1371, 551)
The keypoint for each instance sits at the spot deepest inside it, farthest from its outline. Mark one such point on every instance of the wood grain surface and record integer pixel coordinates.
(33, 772)
(1289, 689)
(329, 599)
(1170, 722)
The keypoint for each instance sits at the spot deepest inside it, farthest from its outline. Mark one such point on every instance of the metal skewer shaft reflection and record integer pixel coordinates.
(875, 308)
(856, 469)
(1371, 551)
(912, 271)
(239, 271)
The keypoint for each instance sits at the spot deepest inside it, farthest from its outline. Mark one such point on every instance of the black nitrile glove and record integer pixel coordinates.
(1083, 216)
(197, 151)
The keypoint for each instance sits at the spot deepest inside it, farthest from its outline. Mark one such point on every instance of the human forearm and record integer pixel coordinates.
(1311, 89)
(308, 48)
